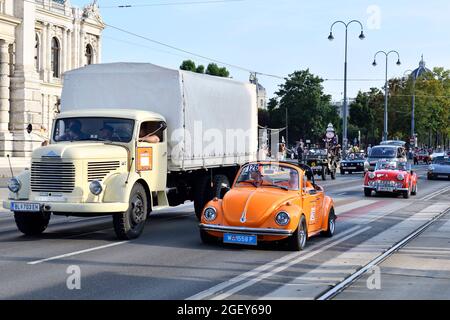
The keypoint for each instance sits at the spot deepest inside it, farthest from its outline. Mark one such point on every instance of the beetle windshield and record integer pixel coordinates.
(268, 175)
(94, 129)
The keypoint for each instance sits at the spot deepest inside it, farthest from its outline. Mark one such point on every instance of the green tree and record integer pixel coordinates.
(200, 69)
(188, 65)
(309, 109)
(214, 70)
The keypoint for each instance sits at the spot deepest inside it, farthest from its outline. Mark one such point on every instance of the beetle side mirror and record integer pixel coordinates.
(29, 128)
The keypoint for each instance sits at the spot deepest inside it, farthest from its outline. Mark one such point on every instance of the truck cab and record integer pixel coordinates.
(98, 162)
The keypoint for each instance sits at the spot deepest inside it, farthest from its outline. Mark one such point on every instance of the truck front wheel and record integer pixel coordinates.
(130, 224)
(31, 223)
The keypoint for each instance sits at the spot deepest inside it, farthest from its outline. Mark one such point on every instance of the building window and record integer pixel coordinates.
(55, 57)
(37, 57)
(89, 55)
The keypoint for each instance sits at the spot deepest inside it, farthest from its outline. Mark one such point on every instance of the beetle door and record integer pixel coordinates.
(312, 206)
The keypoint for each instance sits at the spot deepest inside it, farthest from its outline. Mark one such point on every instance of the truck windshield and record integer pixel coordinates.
(93, 129)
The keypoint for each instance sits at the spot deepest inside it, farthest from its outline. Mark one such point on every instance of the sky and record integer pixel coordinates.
(281, 36)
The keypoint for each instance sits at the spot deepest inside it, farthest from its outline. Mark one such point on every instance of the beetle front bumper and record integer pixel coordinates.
(64, 207)
(242, 230)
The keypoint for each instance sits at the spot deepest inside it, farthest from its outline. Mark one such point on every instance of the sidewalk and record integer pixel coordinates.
(421, 270)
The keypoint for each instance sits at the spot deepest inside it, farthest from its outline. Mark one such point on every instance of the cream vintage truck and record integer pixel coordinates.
(131, 138)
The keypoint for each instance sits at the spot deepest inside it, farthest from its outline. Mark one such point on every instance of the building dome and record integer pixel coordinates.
(421, 70)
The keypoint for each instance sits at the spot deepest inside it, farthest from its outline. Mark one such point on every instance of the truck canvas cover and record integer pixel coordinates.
(211, 121)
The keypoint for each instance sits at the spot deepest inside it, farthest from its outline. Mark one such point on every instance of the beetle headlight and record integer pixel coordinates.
(14, 185)
(95, 187)
(401, 177)
(282, 218)
(431, 168)
(210, 214)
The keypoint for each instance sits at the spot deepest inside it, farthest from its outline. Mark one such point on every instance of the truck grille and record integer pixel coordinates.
(52, 176)
(99, 170)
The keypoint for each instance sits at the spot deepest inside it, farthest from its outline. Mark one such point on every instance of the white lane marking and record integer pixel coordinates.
(77, 253)
(221, 286)
(355, 205)
(263, 276)
(435, 194)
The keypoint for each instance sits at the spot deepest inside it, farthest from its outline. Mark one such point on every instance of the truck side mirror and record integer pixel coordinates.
(29, 128)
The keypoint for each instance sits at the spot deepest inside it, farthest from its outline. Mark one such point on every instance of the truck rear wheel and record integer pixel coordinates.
(31, 223)
(130, 224)
(205, 193)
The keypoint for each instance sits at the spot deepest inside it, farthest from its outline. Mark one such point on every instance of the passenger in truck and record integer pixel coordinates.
(106, 133)
(74, 132)
(150, 133)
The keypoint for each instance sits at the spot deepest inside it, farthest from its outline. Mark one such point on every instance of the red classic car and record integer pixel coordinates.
(422, 157)
(392, 177)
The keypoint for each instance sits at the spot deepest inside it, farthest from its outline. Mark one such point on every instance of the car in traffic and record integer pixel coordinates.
(354, 162)
(422, 157)
(321, 163)
(439, 169)
(391, 177)
(398, 143)
(386, 152)
(269, 201)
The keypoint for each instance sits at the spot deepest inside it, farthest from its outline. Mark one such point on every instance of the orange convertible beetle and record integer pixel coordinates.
(269, 201)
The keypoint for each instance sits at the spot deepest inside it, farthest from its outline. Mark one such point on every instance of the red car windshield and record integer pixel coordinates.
(392, 166)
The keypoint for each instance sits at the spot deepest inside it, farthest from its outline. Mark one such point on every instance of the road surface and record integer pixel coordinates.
(169, 262)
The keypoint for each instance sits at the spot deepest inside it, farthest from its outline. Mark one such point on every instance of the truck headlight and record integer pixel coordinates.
(210, 214)
(282, 218)
(14, 185)
(95, 187)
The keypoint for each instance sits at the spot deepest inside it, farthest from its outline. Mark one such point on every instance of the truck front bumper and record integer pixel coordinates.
(64, 207)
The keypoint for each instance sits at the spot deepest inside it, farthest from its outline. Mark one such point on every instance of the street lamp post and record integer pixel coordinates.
(345, 111)
(386, 88)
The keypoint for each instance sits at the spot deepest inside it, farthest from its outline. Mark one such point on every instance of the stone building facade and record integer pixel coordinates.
(39, 41)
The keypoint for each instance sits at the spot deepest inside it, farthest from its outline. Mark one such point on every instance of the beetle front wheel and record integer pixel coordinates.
(297, 241)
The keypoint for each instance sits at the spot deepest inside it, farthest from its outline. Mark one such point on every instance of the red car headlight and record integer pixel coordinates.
(401, 177)
(371, 175)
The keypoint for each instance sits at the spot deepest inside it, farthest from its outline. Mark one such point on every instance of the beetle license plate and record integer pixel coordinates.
(249, 240)
(25, 207)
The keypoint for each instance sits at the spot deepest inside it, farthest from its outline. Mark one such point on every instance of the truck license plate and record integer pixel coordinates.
(249, 240)
(25, 207)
